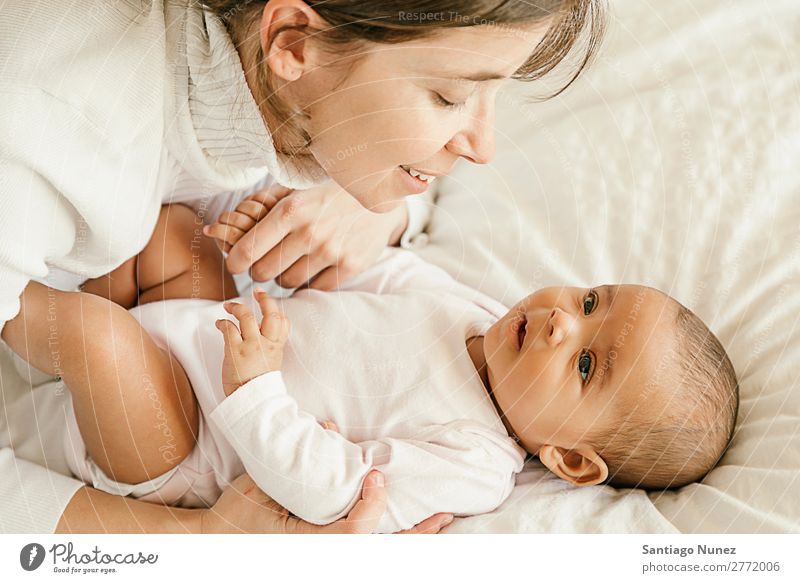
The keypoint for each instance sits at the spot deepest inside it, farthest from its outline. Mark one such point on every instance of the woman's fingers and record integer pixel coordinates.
(431, 525)
(262, 238)
(363, 518)
(367, 512)
(281, 258)
(246, 318)
(274, 222)
(243, 507)
(332, 278)
(301, 271)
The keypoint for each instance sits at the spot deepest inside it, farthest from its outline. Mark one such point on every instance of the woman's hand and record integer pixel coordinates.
(320, 237)
(243, 507)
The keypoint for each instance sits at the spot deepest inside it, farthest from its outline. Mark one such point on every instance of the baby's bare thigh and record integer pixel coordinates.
(178, 262)
(181, 262)
(133, 402)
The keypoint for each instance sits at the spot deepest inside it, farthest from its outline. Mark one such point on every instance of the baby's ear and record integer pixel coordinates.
(581, 466)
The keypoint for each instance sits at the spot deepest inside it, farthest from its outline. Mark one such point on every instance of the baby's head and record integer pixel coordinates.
(617, 384)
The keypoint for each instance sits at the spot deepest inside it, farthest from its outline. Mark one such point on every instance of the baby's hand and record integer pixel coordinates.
(251, 351)
(232, 225)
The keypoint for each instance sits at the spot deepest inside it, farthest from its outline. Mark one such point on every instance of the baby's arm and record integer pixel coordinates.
(317, 474)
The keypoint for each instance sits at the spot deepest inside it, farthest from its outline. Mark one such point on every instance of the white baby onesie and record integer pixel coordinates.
(386, 360)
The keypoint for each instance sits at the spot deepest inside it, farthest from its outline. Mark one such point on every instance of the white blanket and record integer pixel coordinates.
(674, 163)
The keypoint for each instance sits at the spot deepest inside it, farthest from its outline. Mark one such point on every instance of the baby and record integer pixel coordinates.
(440, 387)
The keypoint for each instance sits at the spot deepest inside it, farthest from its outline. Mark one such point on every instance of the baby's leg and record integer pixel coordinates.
(178, 262)
(133, 402)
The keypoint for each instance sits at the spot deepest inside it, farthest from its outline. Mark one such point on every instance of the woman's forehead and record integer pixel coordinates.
(464, 52)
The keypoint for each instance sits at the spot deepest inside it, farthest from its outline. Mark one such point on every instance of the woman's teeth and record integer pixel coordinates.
(418, 174)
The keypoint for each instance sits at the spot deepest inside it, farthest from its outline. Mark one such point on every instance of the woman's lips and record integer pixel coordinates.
(414, 184)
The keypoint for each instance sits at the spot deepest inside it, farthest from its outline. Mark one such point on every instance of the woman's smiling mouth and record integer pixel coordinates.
(417, 181)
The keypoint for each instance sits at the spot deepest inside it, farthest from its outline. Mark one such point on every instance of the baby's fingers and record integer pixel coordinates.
(330, 426)
(247, 321)
(226, 235)
(229, 332)
(274, 324)
(240, 220)
(253, 209)
(270, 196)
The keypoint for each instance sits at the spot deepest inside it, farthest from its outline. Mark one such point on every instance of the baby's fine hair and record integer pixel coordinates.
(698, 401)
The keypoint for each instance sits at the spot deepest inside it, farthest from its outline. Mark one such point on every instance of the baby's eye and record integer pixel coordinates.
(585, 365)
(589, 302)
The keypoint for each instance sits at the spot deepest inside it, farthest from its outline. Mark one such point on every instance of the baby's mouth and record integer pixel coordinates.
(521, 331)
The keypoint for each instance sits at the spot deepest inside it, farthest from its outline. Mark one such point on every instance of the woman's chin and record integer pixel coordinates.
(383, 197)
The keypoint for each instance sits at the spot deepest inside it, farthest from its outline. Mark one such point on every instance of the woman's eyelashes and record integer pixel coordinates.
(589, 302)
(440, 100)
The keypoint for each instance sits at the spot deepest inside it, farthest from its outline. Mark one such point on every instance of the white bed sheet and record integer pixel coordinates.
(675, 163)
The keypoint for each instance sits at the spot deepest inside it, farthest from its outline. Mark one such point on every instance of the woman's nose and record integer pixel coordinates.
(476, 142)
(560, 325)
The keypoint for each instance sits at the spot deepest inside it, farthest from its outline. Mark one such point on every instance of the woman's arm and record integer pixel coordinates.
(93, 511)
(242, 508)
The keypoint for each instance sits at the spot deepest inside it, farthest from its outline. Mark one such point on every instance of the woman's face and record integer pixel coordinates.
(418, 106)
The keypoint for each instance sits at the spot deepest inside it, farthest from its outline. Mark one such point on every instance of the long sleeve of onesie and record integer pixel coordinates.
(317, 474)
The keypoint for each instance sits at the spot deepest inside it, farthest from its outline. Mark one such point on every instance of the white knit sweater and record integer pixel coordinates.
(108, 109)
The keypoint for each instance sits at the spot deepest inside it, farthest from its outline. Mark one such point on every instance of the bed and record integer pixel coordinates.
(672, 163)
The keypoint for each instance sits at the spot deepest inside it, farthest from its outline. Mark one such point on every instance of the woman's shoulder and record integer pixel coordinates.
(104, 59)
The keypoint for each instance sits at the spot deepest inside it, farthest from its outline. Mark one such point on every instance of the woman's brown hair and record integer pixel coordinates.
(388, 22)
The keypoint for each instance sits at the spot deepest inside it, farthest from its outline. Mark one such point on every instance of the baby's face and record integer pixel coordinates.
(559, 358)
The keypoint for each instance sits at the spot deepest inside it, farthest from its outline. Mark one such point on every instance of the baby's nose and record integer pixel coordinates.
(560, 323)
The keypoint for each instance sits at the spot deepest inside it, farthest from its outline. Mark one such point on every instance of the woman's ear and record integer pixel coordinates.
(581, 466)
(284, 33)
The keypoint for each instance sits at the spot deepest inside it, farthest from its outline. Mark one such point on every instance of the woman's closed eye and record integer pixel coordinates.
(440, 100)
(589, 302)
